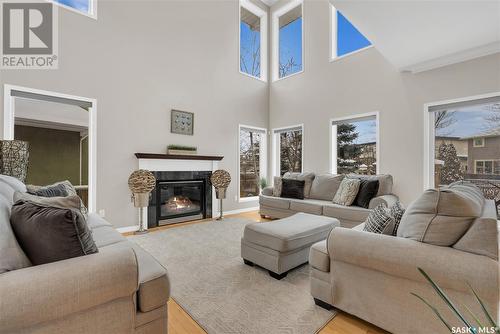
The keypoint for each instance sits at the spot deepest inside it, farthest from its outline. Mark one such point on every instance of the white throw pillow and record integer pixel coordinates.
(347, 192)
(277, 185)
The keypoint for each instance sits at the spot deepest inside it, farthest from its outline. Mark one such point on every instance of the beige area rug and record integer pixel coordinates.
(223, 295)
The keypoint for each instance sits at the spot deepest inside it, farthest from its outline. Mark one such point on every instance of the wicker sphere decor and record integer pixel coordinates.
(141, 182)
(220, 178)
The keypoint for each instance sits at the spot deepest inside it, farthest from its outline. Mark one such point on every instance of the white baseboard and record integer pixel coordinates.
(133, 228)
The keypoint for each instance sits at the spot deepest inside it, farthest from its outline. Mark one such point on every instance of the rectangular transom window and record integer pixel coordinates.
(345, 37)
(288, 149)
(253, 40)
(355, 145)
(252, 161)
(86, 7)
(288, 40)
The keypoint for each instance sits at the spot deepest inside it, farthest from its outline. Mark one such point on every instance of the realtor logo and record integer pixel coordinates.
(29, 39)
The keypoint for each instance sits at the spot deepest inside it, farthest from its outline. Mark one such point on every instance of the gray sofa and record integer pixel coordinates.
(372, 275)
(319, 191)
(120, 289)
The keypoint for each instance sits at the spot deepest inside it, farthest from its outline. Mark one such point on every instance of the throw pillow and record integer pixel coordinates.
(367, 191)
(347, 192)
(397, 211)
(70, 190)
(306, 177)
(56, 190)
(277, 183)
(68, 202)
(379, 221)
(48, 234)
(292, 188)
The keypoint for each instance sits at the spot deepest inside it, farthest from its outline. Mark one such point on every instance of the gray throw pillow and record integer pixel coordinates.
(397, 211)
(380, 221)
(277, 184)
(347, 192)
(57, 190)
(68, 202)
(48, 234)
(68, 187)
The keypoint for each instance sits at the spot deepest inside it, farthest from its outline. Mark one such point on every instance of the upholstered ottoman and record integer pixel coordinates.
(281, 245)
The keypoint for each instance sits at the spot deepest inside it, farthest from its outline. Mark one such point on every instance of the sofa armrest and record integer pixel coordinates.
(388, 200)
(52, 291)
(401, 257)
(267, 191)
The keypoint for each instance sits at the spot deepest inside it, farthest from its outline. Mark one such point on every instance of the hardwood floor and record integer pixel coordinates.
(179, 321)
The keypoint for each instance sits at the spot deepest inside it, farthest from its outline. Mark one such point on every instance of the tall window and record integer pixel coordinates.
(465, 144)
(253, 40)
(252, 161)
(288, 40)
(288, 147)
(345, 37)
(354, 145)
(86, 7)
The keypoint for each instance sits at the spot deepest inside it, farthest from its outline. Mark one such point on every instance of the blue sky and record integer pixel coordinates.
(82, 5)
(246, 47)
(349, 39)
(291, 44)
(367, 131)
(469, 121)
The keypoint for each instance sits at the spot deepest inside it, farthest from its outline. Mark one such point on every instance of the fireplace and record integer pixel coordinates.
(179, 197)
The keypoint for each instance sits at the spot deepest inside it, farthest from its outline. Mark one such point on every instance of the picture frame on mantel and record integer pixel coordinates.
(181, 122)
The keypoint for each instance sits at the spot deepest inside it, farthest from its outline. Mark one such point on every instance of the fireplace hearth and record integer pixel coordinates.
(179, 197)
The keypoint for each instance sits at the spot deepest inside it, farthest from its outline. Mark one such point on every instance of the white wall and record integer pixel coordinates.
(139, 60)
(367, 82)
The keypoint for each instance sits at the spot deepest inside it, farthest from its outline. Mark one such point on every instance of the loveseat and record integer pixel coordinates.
(120, 289)
(372, 275)
(319, 191)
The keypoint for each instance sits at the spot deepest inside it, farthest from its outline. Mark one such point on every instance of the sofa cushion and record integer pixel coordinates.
(292, 188)
(347, 192)
(352, 213)
(385, 182)
(482, 237)
(13, 182)
(291, 233)
(440, 216)
(274, 202)
(306, 177)
(325, 186)
(318, 256)
(12, 257)
(95, 221)
(312, 206)
(106, 235)
(48, 234)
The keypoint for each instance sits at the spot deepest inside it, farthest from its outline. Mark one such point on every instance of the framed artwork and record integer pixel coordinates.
(181, 122)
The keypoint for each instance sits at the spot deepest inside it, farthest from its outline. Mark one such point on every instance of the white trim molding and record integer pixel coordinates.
(262, 14)
(429, 133)
(352, 118)
(275, 39)
(262, 160)
(276, 147)
(9, 122)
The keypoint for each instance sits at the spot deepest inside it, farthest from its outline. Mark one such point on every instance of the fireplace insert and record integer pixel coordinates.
(179, 201)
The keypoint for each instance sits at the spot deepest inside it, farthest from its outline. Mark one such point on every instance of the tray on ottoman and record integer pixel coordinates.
(284, 244)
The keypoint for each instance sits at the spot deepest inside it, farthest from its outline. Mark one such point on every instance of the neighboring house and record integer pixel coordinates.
(484, 154)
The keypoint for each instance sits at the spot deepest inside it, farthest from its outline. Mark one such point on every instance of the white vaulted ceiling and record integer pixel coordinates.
(420, 35)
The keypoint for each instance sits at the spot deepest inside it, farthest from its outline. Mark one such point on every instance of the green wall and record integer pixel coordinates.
(54, 155)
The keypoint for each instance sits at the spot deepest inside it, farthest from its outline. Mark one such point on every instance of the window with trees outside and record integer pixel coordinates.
(345, 37)
(287, 30)
(83, 6)
(354, 145)
(253, 40)
(465, 144)
(252, 161)
(288, 146)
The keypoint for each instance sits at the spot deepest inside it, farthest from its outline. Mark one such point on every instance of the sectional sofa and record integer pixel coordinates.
(319, 191)
(120, 289)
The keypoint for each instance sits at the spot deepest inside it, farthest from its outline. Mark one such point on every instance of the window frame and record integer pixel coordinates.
(276, 41)
(482, 142)
(262, 14)
(430, 133)
(262, 160)
(276, 157)
(92, 13)
(347, 119)
(484, 161)
(333, 38)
